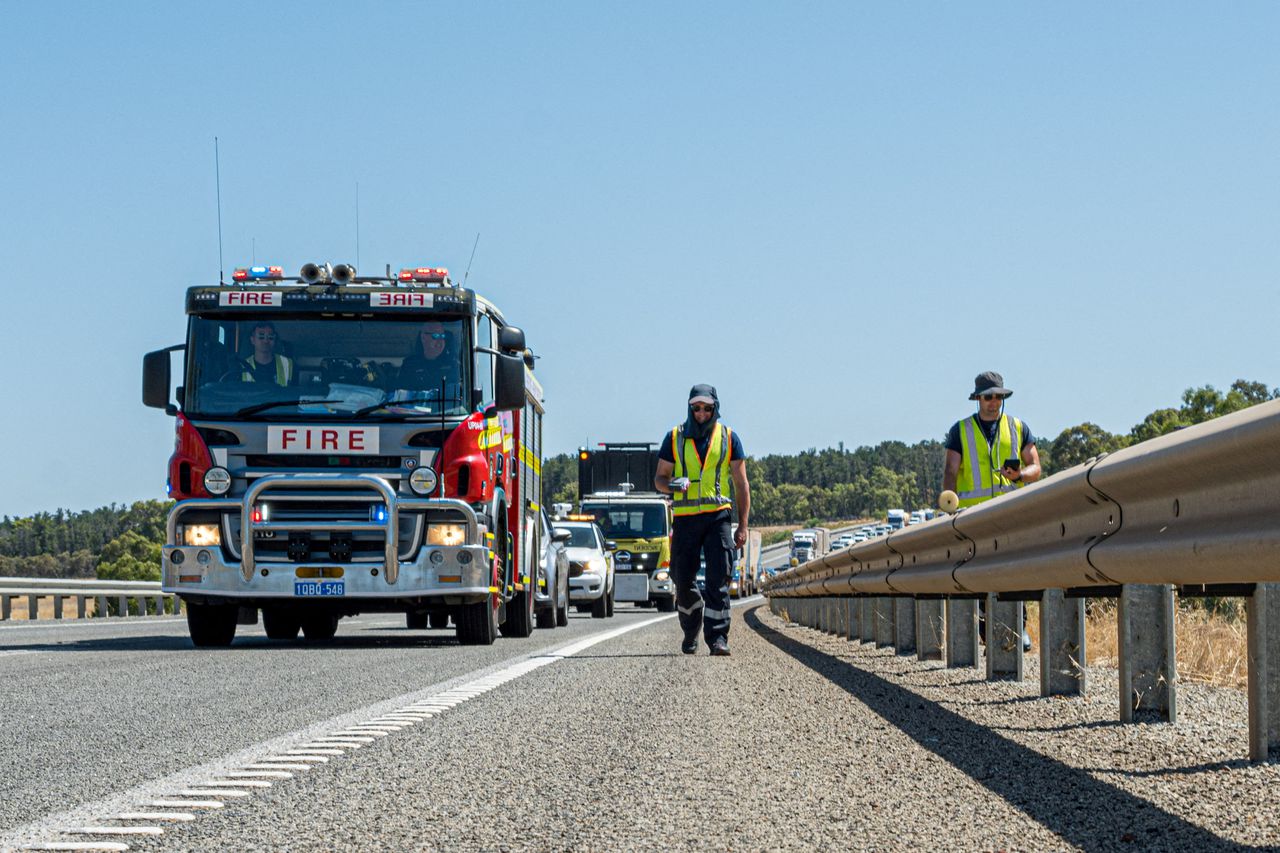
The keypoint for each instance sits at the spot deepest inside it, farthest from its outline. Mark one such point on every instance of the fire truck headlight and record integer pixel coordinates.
(205, 535)
(217, 480)
(423, 480)
(446, 534)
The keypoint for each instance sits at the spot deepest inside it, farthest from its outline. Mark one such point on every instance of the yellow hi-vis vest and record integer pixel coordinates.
(979, 478)
(708, 478)
(284, 370)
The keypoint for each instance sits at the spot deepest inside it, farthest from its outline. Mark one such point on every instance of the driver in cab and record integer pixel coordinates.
(265, 365)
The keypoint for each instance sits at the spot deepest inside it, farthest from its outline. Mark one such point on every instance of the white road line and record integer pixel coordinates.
(94, 622)
(371, 722)
(79, 845)
(176, 817)
(116, 830)
(198, 792)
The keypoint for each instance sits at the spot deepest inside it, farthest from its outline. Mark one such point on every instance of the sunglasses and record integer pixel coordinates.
(989, 397)
(698, 407)
(437, 336)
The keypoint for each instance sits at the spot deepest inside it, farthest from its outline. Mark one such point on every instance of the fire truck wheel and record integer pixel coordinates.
(212, 625)
(519, 616)
(439, 620)
(416, 621)
(279, 623)
(476, 624)
(318, 627)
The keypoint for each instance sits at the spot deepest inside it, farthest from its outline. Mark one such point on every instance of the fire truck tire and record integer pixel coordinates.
(476, 624)
(439, 620)
(519, 616)
(666, 605)
(547, 618)
(600, 607)
(417, 621)
(212, 625)
(318, 627)
(279, 623)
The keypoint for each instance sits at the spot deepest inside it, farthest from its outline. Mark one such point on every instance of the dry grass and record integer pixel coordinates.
(1212, 647)
(20, 612)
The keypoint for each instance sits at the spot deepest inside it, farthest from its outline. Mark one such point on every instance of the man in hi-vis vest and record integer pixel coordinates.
(990, 453)
(265, 365)
(697, 461)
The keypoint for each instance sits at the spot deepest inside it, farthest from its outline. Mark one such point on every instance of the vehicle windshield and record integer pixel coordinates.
(582, 537)
(327, 367)
(629, 521)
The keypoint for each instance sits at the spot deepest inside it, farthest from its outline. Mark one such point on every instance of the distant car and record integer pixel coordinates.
(590, 568)
(551, 590)
(838, 544)
(860, 536)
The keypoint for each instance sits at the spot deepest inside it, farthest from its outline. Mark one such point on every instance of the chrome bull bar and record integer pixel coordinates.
(263, 487)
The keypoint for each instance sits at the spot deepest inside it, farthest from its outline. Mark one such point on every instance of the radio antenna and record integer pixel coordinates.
(357, 225)
(217, 179)
(473, 257)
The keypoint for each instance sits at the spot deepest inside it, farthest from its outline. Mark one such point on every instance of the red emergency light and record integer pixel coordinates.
(424, 274)
(258, 273)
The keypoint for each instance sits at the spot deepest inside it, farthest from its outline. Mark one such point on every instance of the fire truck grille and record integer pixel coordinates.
(306, 461)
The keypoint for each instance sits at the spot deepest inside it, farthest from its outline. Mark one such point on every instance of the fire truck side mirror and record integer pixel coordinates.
(509, 383)
(155, 380)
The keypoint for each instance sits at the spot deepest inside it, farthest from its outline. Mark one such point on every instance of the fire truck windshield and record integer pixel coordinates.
(327, 367)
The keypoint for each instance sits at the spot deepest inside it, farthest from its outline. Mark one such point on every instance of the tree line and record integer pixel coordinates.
(837, 483)
(123, 542)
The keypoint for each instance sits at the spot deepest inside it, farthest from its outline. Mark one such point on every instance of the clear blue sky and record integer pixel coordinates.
(835, 213)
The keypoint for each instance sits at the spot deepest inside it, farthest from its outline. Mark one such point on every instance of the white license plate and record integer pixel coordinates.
(312, 589)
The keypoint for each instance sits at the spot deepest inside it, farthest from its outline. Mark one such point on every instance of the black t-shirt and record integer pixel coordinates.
(735, 449)
(988, 430)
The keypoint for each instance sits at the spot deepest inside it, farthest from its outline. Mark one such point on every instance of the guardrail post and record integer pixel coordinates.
(851, 611)
(1062, 651)
(122, 602)
(929, 624)
(904, 625)
(80, 606)
(6, 607)
(884, 622)
(57, 606)
(962, 632)
(101, 608)
(1148, 669)
(1264, 671)
(33, 607)
(867, 620)
(1004, 639)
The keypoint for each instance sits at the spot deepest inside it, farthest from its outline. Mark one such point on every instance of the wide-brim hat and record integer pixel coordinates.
(989, 382)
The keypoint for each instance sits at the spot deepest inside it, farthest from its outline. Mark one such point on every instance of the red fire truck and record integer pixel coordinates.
(348, 444)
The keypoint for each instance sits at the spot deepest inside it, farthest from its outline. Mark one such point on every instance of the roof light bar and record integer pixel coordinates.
(258, 273)
(440, 274)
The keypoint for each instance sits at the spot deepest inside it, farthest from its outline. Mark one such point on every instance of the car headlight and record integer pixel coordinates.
(661, 576)
(201, 534)
(423, 480)
(596, 564)
(217, 480)
(446, 534)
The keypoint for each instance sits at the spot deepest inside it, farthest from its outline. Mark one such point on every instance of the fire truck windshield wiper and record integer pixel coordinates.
(262, 407)
(386, 404)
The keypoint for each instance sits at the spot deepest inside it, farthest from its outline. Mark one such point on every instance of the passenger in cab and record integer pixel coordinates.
(434, 358)
(266, 365)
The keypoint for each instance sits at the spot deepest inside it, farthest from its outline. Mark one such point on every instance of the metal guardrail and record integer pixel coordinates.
(1198, 509)
(59, 589)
